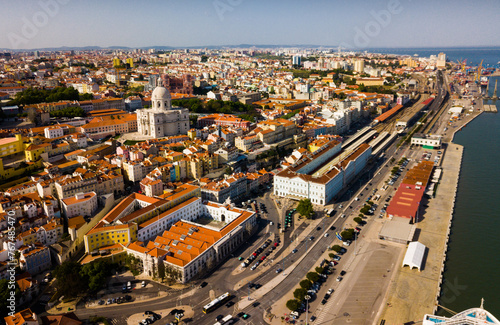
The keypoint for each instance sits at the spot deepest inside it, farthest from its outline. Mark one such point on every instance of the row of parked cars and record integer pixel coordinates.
(259, 251)
(128, 286)
(116, 300)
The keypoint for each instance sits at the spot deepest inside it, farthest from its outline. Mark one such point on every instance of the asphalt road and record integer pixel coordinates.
(221, 280)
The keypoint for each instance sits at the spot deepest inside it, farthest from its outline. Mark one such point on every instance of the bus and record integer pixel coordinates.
(224, 320)
(216, 303)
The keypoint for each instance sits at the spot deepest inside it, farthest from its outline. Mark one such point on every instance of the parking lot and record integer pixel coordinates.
(358, 296)
(124, 288)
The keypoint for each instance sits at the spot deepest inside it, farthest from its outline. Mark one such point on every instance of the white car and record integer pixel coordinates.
(346, 243)
(339, 279)
(326, 235)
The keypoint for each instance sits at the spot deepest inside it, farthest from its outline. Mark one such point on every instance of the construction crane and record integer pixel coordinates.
(462, 64)
(479, 70)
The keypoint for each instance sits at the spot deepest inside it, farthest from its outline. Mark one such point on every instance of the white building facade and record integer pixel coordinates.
(82, 204)
(321, 188)
(161, 120)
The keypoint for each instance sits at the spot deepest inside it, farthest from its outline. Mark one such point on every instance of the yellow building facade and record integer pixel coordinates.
(110, 235)
(10, 146)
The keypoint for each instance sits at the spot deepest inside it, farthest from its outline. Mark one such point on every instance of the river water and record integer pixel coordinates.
(473, 260)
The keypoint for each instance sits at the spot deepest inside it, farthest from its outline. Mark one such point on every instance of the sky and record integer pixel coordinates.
(354, 24)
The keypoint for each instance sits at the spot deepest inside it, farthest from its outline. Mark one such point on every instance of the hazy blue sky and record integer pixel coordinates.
(352, 23)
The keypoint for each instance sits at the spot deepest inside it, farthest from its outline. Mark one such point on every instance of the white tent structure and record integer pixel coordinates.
(414, 255)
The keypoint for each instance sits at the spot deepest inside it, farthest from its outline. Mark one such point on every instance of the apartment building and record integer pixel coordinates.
(81, 204)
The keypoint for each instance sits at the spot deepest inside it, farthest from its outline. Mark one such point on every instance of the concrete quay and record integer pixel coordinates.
(412, 293)
(490, 108)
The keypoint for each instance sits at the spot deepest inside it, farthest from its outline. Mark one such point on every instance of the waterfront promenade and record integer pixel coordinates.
(412, 293)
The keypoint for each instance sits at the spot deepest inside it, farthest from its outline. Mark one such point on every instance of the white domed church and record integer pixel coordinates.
(161, 120)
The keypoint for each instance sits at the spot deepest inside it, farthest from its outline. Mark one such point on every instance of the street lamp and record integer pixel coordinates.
(307, 297)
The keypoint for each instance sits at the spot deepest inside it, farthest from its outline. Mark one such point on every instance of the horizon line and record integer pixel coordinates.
(115, 47)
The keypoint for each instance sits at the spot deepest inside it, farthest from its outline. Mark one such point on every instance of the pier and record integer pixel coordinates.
(410, 286)
(490, 108)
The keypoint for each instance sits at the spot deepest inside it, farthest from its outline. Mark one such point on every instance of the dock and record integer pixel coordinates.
(425, 286)
(490, 108)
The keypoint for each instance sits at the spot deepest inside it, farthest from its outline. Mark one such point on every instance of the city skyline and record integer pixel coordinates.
(353, 25)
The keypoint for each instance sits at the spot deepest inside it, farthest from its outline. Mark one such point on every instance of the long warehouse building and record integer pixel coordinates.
(308, 177)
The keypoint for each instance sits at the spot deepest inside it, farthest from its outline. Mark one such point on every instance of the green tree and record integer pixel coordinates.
(312, 276)
(305, 208)
(364, 210)
(347, 234)
(331, 255)
(86, 96)
(247, 117)
(204, 58)
(193, 119)
(358, 220)
(68, 112)
(336, 248)
(69, 282)
(133, 264)
(319, 270)
(305, 284)
(300, 293)
(292, 304)
(96, 274)
(5, 291)
(178, 148)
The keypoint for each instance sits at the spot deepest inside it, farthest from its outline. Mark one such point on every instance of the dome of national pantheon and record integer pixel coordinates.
(161, 93)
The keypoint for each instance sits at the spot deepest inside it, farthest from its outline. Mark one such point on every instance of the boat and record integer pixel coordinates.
(484, 81)
(472, 316)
